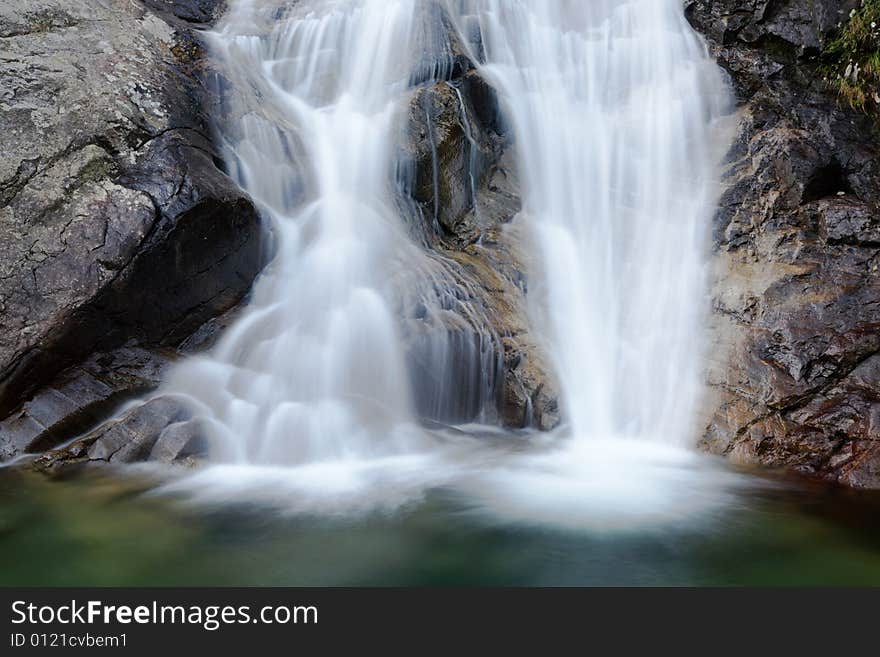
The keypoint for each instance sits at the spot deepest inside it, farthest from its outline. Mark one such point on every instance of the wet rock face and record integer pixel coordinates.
(158, 430)
(797, 318)
(463, 181)
(455, 143)
(80, 397)
(116, 224)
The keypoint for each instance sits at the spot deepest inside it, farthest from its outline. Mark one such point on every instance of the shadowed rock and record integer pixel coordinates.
(116, 224)
(154, 430)
(80, 397)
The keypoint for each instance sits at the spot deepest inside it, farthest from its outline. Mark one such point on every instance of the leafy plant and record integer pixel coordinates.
(853, 58)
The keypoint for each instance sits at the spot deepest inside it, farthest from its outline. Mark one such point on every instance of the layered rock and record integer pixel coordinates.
(158, 430)
(117, 226)
(796, 369)
(465, 185)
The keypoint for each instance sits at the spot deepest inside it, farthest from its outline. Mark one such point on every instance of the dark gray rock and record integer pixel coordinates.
(130, 438)
(116, 224)
(179, 441)
(81, 397)
(197, 12)
(462, 178)
(797, 321)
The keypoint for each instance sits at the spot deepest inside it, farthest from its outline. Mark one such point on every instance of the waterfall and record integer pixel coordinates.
(614, 105)
(356, 333)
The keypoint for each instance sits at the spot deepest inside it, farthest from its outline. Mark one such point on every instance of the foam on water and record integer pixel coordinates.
(616, 109)
(310, 397)
(584, 486)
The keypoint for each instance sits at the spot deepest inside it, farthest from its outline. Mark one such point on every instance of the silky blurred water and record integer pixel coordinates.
(331, 461)
(615, 108)
(618, 112)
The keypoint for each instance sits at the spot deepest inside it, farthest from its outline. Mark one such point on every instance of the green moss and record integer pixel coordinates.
(852, 59)
(97, 168)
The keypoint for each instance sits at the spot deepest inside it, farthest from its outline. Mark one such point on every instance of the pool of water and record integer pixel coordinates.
(523, 525)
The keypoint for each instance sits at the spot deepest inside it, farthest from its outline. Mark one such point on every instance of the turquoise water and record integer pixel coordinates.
(104, 528)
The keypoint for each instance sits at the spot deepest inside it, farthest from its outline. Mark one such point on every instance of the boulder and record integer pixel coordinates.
(118, 225)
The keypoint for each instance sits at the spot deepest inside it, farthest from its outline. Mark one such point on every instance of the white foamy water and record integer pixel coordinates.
(313, 368)
(616, 109)
(309, 398)
(604, 487)
(316, 368)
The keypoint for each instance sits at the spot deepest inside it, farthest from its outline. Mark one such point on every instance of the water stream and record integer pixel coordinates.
(318, 367)
(351, 406)
(616, 109)
(324, 396)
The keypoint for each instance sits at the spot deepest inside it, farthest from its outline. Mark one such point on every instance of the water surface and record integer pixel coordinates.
(112, 528)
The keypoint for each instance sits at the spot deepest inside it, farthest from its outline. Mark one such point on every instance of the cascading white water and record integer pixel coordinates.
(613, 104)
(314, 369)
(354, 325)
(318, 368)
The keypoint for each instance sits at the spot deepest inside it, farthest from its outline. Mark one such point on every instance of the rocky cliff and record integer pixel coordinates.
(119, 233)
(796, 373)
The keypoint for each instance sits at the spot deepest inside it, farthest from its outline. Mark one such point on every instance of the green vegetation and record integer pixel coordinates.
(853, 58)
